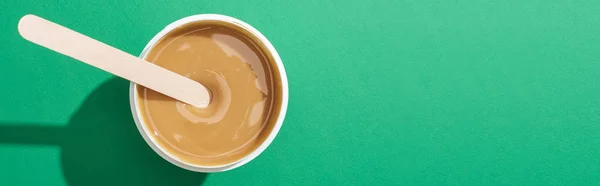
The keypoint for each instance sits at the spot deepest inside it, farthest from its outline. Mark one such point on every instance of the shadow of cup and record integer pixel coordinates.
(101, 144)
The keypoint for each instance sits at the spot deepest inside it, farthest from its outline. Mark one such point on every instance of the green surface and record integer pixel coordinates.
(381, 92)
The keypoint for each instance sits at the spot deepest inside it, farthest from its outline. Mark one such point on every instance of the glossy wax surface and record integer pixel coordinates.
(236, 72)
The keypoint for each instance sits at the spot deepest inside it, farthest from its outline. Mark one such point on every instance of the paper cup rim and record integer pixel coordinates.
(282, 112)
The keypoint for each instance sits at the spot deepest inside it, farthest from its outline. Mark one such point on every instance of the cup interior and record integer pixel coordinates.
(278, 71)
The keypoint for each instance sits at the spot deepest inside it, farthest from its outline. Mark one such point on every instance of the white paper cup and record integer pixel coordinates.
(198, 168)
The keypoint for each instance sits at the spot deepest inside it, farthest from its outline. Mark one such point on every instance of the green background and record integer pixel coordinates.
(397, 92)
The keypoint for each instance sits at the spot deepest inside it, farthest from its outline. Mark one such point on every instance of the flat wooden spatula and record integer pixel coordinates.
(85, 49)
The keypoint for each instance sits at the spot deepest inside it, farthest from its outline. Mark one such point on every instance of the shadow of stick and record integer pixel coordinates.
(101, 144)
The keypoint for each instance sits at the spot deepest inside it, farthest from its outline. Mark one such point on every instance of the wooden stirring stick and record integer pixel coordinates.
(73, 44)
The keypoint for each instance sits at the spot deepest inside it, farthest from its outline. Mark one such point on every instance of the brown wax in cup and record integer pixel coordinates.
(245, 88)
